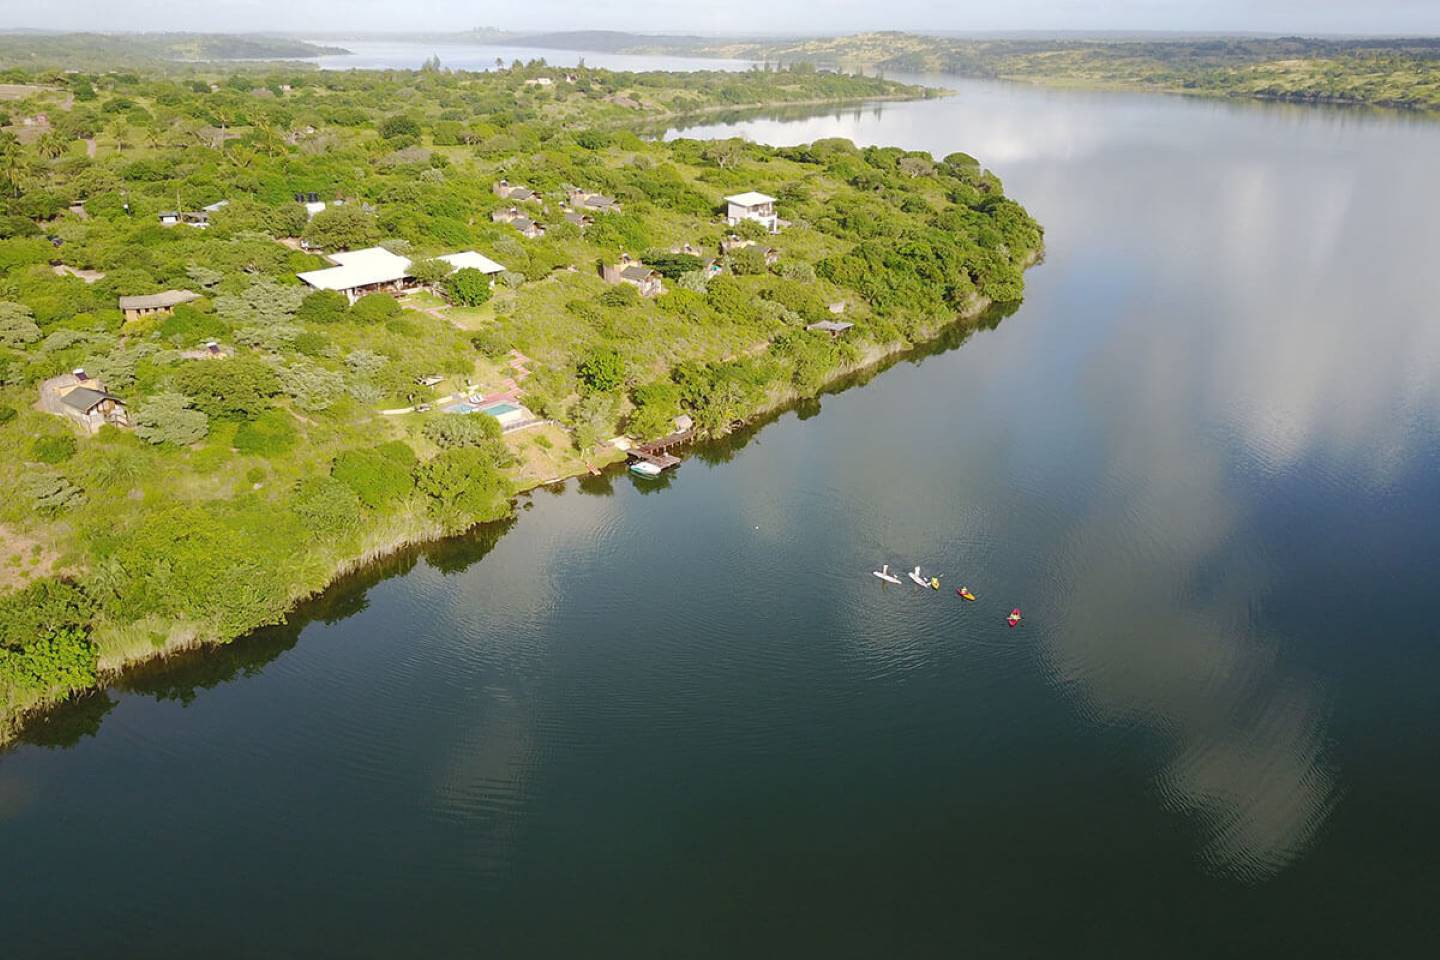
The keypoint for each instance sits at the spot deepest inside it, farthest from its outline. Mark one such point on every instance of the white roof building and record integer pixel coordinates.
(750, 199)
(752, 206)
(359, 271)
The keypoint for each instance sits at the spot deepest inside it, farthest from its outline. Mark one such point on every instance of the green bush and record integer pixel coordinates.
(168, 418)
(464, 486)
(270, 434)
(468, 287)
(53, 449)
(45, 641)
(6, 413)
(326, 506)
(602, 370)
(374, 308)
(462, 430)
(378, 475)
(233, 389)
(323, 306)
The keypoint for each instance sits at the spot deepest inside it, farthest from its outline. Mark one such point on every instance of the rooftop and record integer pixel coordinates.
(750, 199)
(156, 301)
(84, 399)
(376, 265)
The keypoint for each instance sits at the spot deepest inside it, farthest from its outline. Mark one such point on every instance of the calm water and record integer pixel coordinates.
(1203, 457)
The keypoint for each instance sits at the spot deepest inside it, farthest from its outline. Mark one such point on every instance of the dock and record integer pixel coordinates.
(658, 451)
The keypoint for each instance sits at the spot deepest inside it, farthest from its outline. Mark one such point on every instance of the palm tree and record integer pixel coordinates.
(14, 165)
(51, 145)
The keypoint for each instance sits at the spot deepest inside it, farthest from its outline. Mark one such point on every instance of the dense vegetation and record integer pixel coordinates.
(247, 480)
(1394, 72)
(93, 51)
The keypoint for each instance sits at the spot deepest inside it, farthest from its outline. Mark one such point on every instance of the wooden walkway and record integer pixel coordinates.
(658, 451)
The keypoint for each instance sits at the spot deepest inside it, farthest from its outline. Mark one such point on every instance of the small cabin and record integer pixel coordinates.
(84, 401)
(833, 327)
(632, 271)
(152, 303)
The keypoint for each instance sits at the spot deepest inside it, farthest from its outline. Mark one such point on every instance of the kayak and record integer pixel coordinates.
(965, 592)
(934, 583)
(1014, 618)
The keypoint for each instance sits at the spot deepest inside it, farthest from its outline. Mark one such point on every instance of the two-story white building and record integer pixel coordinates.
(752, 206)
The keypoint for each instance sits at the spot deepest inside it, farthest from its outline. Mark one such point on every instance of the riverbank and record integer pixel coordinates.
(129, 649)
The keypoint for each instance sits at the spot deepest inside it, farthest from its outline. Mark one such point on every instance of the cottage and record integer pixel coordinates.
(375, 269)
(168, 218)
(144, 306)
(528, 228)
(732, 243)
(82, 400)
(752, 206)
(586, 200)
(539, 82)
(515, 192)
(580, 220)
(632, 271)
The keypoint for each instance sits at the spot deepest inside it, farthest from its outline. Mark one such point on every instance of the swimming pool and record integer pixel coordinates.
(501, 409)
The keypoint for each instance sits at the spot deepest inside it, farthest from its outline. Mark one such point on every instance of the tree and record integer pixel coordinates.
(468, 287)
(50, 145)
(311, 386)
(399, 126)
(233, 389)
(602, 370)
(17, 324)
(342, 228)
(378, 475)
(169, 418)
(430, 272)
(464, 487)
(724, 153)
(748, 261)
(45, 640)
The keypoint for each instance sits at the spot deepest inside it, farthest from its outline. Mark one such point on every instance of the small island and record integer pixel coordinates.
(259, 328)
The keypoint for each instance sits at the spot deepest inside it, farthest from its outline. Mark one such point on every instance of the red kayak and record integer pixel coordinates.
(1014, 618)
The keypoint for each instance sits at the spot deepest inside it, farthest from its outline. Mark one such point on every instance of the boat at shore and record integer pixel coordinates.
(644, 468)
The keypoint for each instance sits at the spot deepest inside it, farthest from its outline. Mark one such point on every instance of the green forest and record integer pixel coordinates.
(261, 436)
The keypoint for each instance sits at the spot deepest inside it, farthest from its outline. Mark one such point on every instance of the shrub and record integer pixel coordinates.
(311, 386)
(468, 287)
(323, 306)
(374, 308)
(45, 641)
(620, 295)
(462, 430)
(602, 370)
(270, 434)
(51, 492)
(378, 475)
(326, 505)
(748, 261)
(168, 418)
(399, 126)
(17, 325)
(6, 413)
(342, 228)
(53, 449)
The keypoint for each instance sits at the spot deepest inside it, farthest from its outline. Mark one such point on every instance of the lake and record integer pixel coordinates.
(682, 719)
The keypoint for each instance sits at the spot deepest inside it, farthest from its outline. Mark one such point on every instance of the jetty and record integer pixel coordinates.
(658, 451)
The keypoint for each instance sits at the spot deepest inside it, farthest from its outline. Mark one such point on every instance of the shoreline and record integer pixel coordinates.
(401, 533)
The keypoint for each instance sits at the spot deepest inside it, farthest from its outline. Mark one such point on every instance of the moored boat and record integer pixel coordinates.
(644, 468)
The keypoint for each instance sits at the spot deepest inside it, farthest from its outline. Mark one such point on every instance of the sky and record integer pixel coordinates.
(733, 17)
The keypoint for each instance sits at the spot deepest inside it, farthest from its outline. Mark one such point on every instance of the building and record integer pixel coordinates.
(519, 221)
(539, 82)
(515, 193)
(752, 206)
(581, 220)
(83, 401)
(632, 271)
(594, 202)
(144, 306)
(832, 327)
(377, 270)
(732, 243)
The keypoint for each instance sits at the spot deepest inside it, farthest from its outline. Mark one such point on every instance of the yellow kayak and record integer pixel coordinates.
(965, 592)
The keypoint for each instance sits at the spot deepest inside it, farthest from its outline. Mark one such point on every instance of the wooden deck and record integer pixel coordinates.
(658, 451)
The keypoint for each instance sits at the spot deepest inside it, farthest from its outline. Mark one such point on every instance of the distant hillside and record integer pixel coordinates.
(1394, 72)
(112, 50)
